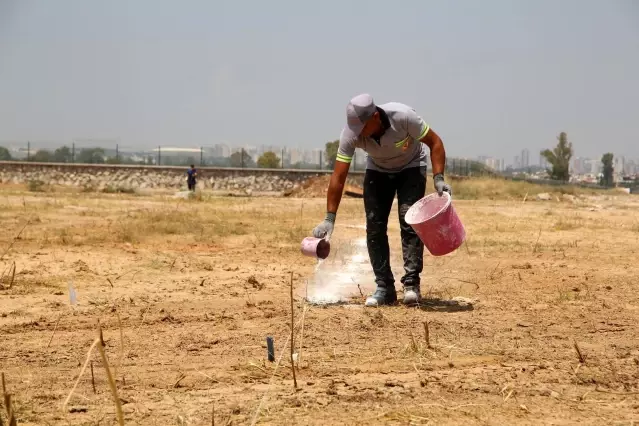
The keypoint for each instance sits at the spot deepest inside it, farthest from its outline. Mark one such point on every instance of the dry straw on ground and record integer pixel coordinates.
(166, 278)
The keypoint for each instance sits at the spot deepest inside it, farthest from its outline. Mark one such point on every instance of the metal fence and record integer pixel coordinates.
(112, 152)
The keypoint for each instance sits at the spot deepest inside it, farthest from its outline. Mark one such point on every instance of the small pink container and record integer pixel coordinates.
(436, 223)
(316, 247)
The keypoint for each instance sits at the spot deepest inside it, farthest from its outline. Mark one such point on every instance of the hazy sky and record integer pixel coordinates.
(490, 76)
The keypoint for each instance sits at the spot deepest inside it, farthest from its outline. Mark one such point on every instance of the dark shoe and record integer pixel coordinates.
(382, 296)
(412, 295)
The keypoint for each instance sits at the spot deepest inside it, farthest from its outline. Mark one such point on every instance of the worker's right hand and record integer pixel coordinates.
(325, 229)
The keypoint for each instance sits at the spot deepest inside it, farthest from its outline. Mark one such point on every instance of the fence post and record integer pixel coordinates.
(117, 153)
(242, 157)
(73, 152)
(28, 151)
(321, 162)
(282, 157)
(159, 155)
(201, 156)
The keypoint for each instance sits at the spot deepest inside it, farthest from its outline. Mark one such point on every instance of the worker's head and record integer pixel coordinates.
(362, 116)
(192, 166)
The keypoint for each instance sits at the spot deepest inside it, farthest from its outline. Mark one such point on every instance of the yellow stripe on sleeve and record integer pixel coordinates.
(425, 131)
(400, 143)
(344, 158)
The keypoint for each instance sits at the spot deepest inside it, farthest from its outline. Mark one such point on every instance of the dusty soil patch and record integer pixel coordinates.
(198, 285)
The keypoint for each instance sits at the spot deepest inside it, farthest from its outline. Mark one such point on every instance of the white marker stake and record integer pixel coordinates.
(73, 299)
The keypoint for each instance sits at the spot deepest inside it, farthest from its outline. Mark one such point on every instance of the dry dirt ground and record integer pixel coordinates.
(186, 292)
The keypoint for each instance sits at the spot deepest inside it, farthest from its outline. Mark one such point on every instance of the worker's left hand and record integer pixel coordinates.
(441, 186)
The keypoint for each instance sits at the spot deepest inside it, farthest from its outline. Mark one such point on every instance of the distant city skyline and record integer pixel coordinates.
(579, 165)
(523, 153)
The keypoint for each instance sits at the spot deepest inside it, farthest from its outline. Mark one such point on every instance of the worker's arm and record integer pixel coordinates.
(437, 151)
(336, 186)
(420, 130)
(345, 153)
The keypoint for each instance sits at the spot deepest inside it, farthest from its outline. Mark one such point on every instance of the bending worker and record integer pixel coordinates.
(394, 137)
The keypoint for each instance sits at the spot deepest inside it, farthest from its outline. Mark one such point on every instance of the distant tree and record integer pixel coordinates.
(42, 156)
(608, 170)
(91, 156)
(331, 153)
(269, 160)
(5, 155)
(63, 155)
(559, 158)
(241, 159)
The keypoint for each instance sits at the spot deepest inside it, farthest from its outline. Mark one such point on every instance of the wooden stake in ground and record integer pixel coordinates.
(7, 404)
(292, 335)
(54, 329)
(93, 378)
(213, 415)
(582, 358)
(427, 335)
(114, 389)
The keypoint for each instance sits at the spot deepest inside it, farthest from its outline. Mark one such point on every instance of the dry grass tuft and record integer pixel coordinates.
(502, 189)
(8, 276)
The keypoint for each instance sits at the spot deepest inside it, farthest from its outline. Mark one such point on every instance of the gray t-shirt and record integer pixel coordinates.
(399, 148)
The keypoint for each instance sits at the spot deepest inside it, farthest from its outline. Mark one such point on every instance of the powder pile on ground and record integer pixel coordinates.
(317, 187)
(336, 279)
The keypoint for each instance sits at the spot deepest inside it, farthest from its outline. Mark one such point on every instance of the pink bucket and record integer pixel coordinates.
(316, 247)
(435, 221)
